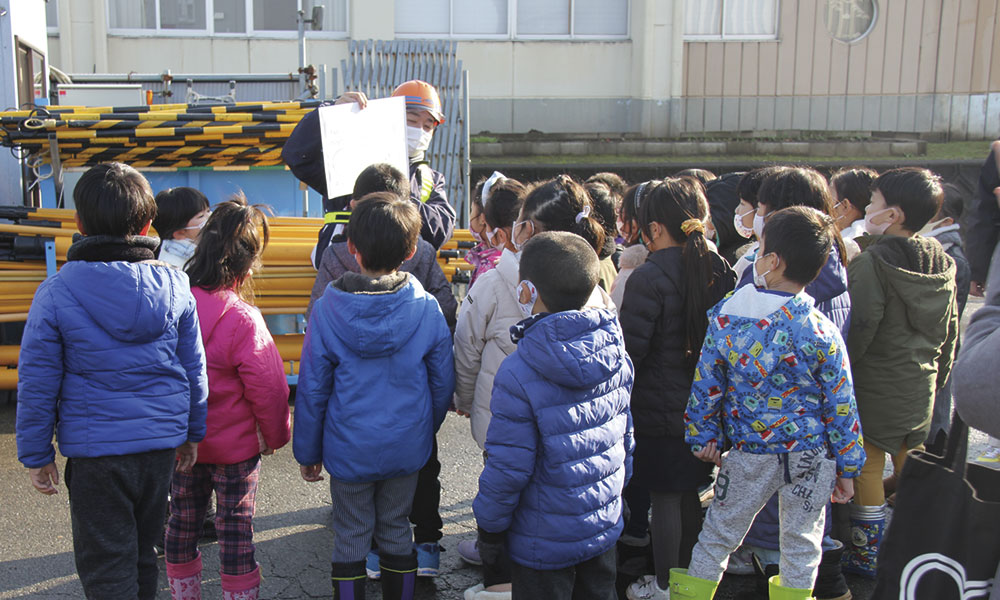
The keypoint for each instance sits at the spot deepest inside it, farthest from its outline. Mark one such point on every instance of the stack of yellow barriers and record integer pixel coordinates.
(282, 287)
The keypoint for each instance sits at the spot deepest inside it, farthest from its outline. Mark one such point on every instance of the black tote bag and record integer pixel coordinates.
(943, 542)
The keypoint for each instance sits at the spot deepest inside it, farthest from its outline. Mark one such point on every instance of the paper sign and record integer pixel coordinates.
(355, 138)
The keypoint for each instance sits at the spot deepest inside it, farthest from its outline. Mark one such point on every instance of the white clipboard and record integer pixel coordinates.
(355, 138)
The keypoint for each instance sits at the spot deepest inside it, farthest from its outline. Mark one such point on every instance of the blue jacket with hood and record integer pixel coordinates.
(376, 379)
(559, 445)
(112, 359)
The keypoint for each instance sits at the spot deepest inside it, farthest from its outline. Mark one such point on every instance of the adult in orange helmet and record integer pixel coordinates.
(303, 153)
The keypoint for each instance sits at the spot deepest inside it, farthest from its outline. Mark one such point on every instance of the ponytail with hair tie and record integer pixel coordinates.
(692, 225)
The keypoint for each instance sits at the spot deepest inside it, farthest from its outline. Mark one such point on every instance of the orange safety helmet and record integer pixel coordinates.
(420, 94)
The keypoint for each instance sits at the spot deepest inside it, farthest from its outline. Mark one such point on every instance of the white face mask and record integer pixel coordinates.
(931, 226)
(758, 226)
(742, 229)
(527, 307)
(880, 228)
(759, 278)
(417, 141)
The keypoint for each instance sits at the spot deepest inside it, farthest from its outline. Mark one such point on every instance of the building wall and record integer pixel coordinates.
(927, 65)
(515, 86)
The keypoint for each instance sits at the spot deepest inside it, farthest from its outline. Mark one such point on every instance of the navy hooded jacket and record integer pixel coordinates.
(559, 445)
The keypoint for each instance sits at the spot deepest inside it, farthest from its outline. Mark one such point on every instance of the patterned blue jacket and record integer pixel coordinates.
(774, 377)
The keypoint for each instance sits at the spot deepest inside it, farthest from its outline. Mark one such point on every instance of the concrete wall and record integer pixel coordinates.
(927, 65)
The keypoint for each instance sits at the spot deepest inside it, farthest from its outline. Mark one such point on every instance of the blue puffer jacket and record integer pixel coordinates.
(559, 445)
(377, 378)
(111, 353)
(828, 290)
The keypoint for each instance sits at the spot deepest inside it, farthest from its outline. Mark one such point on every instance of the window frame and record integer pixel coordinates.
(209, 31)
(722, 36)
(512, 34)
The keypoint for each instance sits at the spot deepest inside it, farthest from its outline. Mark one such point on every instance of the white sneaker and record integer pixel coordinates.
(646, 588)
(741, 562)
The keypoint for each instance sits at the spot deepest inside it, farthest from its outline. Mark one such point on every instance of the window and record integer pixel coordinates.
(52, 17)
(513, 19)
(730, 19)
(268, 18)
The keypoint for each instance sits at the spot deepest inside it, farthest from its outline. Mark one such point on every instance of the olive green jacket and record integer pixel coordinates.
(904, 327)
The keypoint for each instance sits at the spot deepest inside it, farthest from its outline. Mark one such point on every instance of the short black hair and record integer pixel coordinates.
(175, 207)
(702, 175)
(614, 182)
(113, 199)
(854, 185)
(751, 181)
(795, 186)
(953, 204)
(381, 177)
(563, 268)
(802, 237)
(385, 229)
(915, 191)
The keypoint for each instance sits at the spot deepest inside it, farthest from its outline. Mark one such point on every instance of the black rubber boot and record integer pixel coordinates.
(760, 576)
(830, 583)
(348, 580)
(399, 576)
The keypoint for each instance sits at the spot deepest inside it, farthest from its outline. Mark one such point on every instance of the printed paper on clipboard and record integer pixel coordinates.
(355, 138)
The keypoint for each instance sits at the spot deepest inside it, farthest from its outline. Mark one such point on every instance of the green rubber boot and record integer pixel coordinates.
(775, 591)
(683, 585)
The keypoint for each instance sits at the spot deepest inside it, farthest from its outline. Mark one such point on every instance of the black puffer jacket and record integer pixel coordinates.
(653, 322)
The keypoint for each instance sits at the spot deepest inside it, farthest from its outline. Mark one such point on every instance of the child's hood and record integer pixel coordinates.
(132, 302)
(374, 317)
(575, 349)
(920, 272)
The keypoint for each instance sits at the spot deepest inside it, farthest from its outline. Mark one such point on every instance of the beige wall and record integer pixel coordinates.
(916, 47)
(926, 66)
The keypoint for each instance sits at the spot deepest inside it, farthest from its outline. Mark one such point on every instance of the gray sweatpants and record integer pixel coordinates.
(378, 509)
(803, 480)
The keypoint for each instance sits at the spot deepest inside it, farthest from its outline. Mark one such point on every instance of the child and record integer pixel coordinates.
(773, 379)
(635, 251)
(247, 407)
(851, 190)
(559, 446)
(663, 320)
(745, 217)
(376, 381)
(797, 186)
(483, 256)
(945, 229)
(902, 338)
(337, 260)
(111, 360)
(606, 209)
(181, 212)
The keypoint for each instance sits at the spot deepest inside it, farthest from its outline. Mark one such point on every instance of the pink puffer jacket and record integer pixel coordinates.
(247, 388)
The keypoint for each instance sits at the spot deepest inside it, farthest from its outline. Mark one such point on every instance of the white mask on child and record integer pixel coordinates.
(526, 307)
(758, 226)
(874, 229)
(759, 279)
(417, 141)
(742, 229)
(931, 226)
